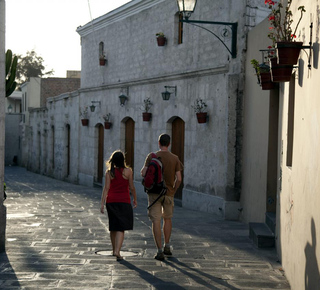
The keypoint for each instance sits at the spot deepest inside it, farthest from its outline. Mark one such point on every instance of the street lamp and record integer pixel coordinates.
(9, 109)
(123, 98)
(166, 95)
(186, 7)
(93, 107)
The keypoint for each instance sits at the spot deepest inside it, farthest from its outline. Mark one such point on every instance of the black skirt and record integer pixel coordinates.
(120, 216)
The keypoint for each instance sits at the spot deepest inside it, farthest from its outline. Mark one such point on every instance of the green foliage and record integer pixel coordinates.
(147, 105)
(31, 65)
(281, 21)
(199, 106)
(11, 68)
(106, 117)
(259, 68)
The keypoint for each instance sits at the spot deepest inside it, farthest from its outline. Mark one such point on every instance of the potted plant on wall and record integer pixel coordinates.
(84, 116)
(102, 59)
(107, 123)
(263, 74)
(199, 107)
(146, 115)
(282, 33)
(161, 39)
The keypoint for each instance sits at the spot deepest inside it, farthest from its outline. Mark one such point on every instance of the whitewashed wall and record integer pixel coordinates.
(201, 67)
(298, 193)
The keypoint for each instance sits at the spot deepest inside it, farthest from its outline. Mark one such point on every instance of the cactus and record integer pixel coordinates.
(11, 67)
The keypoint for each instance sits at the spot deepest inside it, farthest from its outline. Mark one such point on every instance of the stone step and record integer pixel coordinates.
(271, 221)
(261, 235)
(97, 184)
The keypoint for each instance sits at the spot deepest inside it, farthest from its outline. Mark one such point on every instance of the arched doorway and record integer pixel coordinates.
(177, 146)
(100, 153)
(129, 142)
(68, 149)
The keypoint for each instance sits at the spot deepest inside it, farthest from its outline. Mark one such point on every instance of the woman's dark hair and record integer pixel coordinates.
(164, 140)
(116, 160)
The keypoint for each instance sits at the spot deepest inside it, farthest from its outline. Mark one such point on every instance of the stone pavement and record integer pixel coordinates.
(57, 238)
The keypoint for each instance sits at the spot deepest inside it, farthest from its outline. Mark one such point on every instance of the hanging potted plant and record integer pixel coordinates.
(263, 74)
(282, 33)
(199, 107)
(107, 123)
(84, 116)
(146, 115)
(280, 72)
(102, 59)
(161, 39)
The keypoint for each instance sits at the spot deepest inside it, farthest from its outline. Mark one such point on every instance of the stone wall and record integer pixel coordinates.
(297, 181)
(12, 139)
(200, 67)
(51, 87)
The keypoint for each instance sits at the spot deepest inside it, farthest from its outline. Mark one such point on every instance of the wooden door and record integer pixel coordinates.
(100, 153)
(177, 147)
(129, 143)
(68, 150)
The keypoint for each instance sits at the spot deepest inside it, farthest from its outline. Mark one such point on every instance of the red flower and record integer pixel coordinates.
(270, 2)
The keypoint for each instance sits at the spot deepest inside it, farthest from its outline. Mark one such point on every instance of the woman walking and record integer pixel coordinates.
(116, 196)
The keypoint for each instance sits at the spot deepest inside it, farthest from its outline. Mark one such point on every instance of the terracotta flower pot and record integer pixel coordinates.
(266, 81)
(202, 117)
(146, 116)
(280, 73)
(107, 125)
(288, 52)
(161, 40)
(85, 122)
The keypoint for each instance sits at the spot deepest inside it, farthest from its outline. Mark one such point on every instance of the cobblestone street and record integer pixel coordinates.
(57, 238)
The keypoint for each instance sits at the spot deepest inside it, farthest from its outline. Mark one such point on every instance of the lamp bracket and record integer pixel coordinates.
(232, 25)
(172, 87)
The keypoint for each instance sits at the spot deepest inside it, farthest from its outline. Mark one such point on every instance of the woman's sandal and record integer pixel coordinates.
(119, 258)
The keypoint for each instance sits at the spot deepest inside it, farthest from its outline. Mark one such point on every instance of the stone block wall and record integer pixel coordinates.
(12, 139)
(200, 67)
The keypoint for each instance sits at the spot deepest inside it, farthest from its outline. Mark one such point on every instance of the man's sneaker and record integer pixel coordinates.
(159, 256)
(167, 251)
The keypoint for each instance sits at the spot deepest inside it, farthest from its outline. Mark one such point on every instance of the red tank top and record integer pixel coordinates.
(119, 188)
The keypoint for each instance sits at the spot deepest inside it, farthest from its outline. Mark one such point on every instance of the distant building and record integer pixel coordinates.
(13, 102)
(34, 94)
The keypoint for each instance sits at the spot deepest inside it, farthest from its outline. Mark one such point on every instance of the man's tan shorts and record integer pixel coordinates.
(162, 208)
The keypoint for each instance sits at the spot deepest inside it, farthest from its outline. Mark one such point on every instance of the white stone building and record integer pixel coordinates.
(193, 61)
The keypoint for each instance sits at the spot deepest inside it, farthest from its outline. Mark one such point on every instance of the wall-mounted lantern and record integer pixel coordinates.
(93, 107)
(123, 98)
(186, 7)
(10, 109)
(166, 94)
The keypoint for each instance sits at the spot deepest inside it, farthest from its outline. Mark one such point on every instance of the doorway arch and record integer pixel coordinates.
(177, 146)
(100, 155)
(129, 142)
(68, 139)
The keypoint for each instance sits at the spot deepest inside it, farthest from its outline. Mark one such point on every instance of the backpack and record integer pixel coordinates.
(153, 180)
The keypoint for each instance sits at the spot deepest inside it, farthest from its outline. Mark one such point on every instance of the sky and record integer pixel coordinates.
(49, 28)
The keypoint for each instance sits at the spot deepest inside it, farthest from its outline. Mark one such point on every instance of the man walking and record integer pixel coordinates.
(163, 208)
